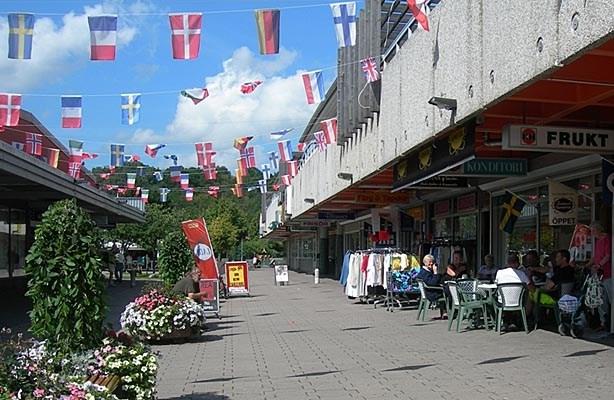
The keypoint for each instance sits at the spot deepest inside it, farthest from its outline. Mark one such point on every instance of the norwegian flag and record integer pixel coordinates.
(185, 181)
(249, 156)
(185, 35)
(204, 153)
(10, 106)
(249, 87)
(369, 67)
(210, 172)
(329, 127)
(420, 10)
(74, 169)
(189, 194)
(34, 144)
(152, 149)
(293, 168)
(320, 140)
(286, 180)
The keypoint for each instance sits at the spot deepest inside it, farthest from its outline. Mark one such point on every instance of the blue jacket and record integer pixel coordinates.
(430, 279)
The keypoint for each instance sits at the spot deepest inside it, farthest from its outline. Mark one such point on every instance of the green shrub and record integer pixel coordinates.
(175, 258)
(66, 284)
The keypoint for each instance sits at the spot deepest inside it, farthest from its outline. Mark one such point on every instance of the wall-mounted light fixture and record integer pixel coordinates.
(345, 176)
(309, 200)
(443, 103)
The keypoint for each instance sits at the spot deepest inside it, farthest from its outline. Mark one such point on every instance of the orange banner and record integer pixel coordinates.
(198, 239)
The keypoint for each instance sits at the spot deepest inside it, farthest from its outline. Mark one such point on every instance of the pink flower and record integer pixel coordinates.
(38, 393)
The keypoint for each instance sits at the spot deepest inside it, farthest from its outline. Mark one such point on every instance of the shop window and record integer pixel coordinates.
(466, 228)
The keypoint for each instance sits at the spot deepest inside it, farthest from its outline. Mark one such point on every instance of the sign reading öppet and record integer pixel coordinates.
(198, 239)
(236, 277)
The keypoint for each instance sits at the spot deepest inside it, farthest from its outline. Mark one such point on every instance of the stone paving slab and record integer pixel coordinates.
(306, 341)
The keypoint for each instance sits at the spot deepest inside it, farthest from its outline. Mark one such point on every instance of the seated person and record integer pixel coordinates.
(428, 276)
(488, 271)
(512, 273)
(457, 268)
(536, 272)
(188, 285)
(564, 277)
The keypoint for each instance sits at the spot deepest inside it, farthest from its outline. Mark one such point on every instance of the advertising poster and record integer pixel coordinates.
(281, 274)
(236, 277)
(580, 247)
(198, 239)
(210, 301)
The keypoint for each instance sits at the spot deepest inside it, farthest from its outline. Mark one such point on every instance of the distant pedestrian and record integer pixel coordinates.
(119, 267)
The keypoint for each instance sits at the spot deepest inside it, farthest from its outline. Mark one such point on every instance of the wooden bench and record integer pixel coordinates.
(111, 382)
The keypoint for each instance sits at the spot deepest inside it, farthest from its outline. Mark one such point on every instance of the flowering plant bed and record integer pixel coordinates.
(156, 316)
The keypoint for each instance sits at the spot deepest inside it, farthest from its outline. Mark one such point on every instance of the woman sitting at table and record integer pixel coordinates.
(428, 276)
(457, 268)
(488, 271)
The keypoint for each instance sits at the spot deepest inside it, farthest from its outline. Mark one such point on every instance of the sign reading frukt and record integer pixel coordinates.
(198, 239)
(557, 139)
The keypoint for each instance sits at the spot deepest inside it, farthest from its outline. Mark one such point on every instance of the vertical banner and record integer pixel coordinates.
(563, 204)
(210, 301)
(198, 239)
(580, 246)
(236, 277)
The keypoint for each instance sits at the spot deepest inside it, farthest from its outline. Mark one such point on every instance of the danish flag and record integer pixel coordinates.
(419, 9)
(10, 106)
(204, 153)
(34, 144)
(185, 35)
(210, 172)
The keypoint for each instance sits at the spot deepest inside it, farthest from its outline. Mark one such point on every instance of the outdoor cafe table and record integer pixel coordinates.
(490, 291)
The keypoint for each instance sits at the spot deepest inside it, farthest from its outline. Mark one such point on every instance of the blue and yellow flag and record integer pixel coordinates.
(512, 208)
(21, 31)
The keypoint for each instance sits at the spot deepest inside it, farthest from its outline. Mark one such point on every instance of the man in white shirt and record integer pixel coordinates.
(511, 274)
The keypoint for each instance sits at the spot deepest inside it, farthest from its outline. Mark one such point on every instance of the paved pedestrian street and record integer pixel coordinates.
(306, 341)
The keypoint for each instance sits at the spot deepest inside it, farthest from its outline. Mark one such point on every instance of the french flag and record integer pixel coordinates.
(285, 150)
(71, 111)
(314, 87)
(184, 181)
(103, 37)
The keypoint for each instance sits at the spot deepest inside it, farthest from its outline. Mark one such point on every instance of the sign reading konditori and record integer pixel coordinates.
(496, 167)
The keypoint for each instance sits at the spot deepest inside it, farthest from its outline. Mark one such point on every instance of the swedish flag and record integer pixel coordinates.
(21, 31)
(512, 207)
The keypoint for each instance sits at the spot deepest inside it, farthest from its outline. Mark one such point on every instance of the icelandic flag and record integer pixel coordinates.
(263, 186)
(175, 173)
(344, 16)
(152, 149)
(314, 87)
(21, 32)
(34, 144)
(131, 108)
(184, 180)
(76, 148)
(329, 127)
(285, 150)
(267, 22)
(210, 172)
(103, 37)
(274, 160)
(117, 155)
(286, 180)
(10, 106)
(157, 176)
(266, 171)
(279, 134)
(185, 35)
(163, 194)
(189, 194)
(71, 111)
(293, 168)
(196, 95)
(145, 195)
(131, 179)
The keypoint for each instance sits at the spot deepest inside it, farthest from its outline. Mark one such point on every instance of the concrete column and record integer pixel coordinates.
(323, 251)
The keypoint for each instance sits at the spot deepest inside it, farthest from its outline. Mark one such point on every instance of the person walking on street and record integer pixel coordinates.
(119, 267)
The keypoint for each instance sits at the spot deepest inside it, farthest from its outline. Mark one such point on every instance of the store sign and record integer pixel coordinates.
(441, 208)
(495, 167)
(338, 216)
(442, 182)
(436, 157)
(563, 204)
(557, 139)
(310, 223)
(466, 202)
(382, 197)
(236, 277)
(210, 300)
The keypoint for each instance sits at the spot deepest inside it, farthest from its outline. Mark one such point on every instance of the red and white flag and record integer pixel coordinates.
(286, 180)
(185, 35)
(213, 191)
(301, 147)
(74, 168)
(10, 106)
(105, 175)
(210, 172)
(320, 140)
(152, 149)
(420, 10)
(34, 144)
(88, 156)
(204, 153)
(249, 156)
(293, 168)
(249, 87)
(329, 127)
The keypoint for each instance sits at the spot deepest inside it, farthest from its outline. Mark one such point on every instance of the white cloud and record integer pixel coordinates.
(278, 103)
(59, 49)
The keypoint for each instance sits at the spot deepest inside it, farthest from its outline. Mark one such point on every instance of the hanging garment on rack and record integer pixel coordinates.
(345, 269)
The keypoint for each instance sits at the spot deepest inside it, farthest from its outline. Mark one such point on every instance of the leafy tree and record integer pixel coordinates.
(175, 258)
(66, 283)
(224, 234)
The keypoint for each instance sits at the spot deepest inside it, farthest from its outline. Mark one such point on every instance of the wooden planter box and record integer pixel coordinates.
(176, 336)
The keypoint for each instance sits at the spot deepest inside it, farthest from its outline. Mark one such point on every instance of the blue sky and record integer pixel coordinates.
(228, 56)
